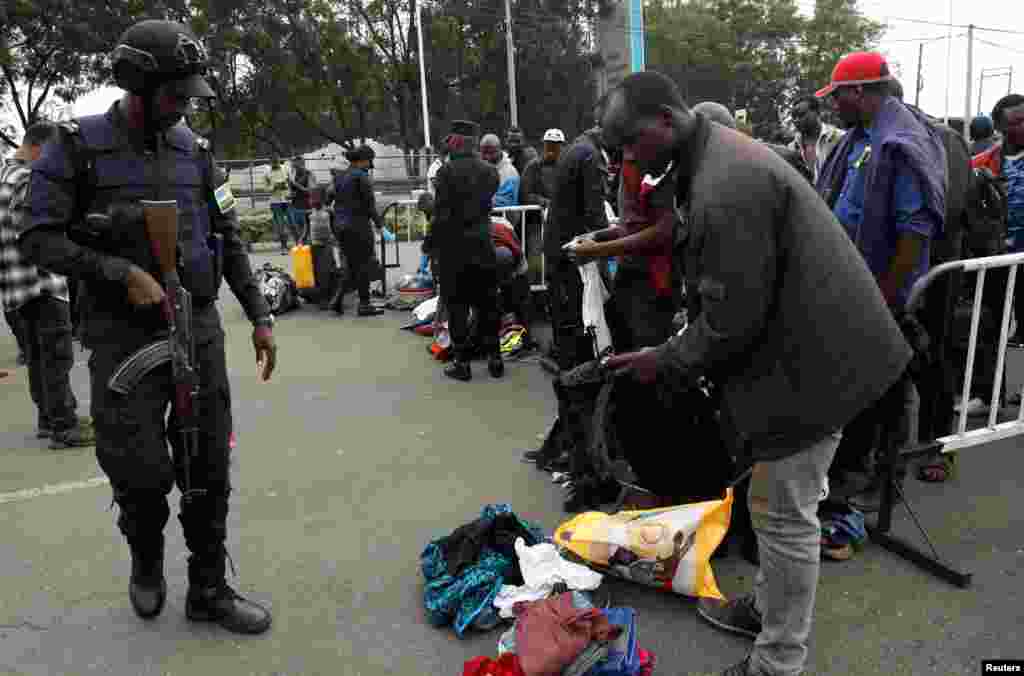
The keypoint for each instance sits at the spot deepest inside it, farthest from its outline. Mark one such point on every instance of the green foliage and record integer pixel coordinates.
(752, 54)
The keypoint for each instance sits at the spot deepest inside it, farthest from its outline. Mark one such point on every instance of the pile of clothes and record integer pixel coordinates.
(464, 571)
(564, 635)
(500, 568)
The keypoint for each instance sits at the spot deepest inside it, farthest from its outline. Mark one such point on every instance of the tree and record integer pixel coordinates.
(836, 29)
(57, 49)
(742, 53)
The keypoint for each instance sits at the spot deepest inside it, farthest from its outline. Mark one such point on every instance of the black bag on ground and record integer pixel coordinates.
(671, 440)
(278, 288)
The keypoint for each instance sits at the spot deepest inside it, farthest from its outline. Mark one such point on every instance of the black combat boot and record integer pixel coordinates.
(141, 521)
(210, 599)
(459, 369)
(147, 588)
(367, 310)
(495, 366)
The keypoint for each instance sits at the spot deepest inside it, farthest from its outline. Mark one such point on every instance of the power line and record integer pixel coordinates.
(953, 25)
(993, 44)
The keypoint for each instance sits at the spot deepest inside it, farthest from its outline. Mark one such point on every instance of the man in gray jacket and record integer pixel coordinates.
(785, 317)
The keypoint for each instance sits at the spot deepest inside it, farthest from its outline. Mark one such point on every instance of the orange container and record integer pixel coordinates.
(302, 266)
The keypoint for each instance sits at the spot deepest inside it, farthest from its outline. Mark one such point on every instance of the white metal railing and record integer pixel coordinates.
(993, 431)
(408, 208)
(506, 212)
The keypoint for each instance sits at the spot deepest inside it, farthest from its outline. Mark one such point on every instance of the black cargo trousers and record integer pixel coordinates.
(132, 436)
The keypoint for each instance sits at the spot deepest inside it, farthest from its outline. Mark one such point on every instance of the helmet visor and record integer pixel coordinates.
(192, 86)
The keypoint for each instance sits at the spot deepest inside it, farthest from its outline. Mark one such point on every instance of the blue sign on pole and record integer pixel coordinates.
(637, 47)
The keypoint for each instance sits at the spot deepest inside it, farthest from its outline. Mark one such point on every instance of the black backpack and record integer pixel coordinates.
(278, 288)
(986, 215)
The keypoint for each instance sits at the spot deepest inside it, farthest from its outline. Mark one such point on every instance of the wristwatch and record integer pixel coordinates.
(266, 322)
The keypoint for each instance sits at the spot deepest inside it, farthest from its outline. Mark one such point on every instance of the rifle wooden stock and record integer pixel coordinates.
(162, 231)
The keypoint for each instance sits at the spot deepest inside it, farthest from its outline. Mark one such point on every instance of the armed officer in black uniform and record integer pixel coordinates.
(462, 230)
(84, 219)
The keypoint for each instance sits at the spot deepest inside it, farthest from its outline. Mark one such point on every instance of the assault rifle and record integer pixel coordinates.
(179, 346)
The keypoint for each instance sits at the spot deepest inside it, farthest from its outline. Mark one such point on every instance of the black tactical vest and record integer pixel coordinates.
(120, 175)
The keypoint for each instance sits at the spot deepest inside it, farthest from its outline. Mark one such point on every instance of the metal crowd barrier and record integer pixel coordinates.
(507, 213)
(514, 215)
(893, 458)
(408, 208)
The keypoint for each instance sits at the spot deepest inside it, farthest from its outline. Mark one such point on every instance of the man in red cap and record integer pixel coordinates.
(886, 183)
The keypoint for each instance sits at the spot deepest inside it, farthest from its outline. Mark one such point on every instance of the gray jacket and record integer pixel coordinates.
(792, 325)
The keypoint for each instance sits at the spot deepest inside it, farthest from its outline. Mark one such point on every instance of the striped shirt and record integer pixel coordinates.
(20, 281)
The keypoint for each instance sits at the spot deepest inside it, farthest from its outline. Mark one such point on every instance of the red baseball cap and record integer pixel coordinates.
(857, 69)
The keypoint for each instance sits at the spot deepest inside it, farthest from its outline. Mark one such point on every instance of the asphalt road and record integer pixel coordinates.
(355, 456)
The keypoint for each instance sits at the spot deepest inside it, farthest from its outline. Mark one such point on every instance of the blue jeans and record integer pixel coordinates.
(784, 497)
(281, 213)
(298, 222)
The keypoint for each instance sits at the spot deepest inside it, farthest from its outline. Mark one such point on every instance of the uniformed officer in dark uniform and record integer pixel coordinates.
(84, 220)
(462, 231)
(355, 217)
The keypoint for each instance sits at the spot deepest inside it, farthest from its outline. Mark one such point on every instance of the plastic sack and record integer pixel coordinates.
(426, 309)
(595, 295)
(668, 548)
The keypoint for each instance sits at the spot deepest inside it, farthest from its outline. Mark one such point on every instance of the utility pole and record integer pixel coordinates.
(917, 84)
(510, 50)
(423, 74)
(970, 80)
(949, 60)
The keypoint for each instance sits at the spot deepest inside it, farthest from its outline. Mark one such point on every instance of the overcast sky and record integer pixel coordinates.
(900, 43)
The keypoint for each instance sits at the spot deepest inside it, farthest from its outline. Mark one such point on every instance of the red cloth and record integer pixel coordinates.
(991, 159)
(638, 214)
(504, 235)
(647, 662)
(551, 633)
(506, 665)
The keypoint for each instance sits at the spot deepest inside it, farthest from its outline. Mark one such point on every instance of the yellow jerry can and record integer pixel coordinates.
(302, 266)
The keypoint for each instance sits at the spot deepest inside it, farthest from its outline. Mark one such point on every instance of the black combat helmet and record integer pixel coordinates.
(154, 52)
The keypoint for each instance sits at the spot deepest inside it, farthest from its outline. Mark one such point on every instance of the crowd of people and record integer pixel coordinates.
(768, 280)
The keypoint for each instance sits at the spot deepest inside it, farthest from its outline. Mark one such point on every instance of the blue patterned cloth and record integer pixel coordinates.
(467, 600)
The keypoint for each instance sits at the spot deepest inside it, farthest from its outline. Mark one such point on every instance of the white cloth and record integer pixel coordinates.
(542, 569)
(595, 295)
(426, 309)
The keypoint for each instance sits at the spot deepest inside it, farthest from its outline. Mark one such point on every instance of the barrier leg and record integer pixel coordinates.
(890, 465)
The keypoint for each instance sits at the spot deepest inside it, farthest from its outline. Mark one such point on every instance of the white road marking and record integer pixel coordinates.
(52, 489)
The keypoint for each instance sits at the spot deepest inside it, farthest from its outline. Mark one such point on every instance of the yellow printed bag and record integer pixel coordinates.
(669, 548)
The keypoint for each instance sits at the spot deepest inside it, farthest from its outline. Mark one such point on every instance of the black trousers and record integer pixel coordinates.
(565, 291)
(46, 323)
(637, 316)
(325, 272)
(132, 436)
(359, 254)
(476, 287)
(17, 325)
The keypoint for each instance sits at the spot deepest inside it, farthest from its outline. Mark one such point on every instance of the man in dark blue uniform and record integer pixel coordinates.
(462, 230)
(84, 219)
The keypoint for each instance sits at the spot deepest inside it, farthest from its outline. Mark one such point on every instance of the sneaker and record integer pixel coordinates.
(459, 370)
(738, 616)
(369, 311)
(975, 406)
(75, 437)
